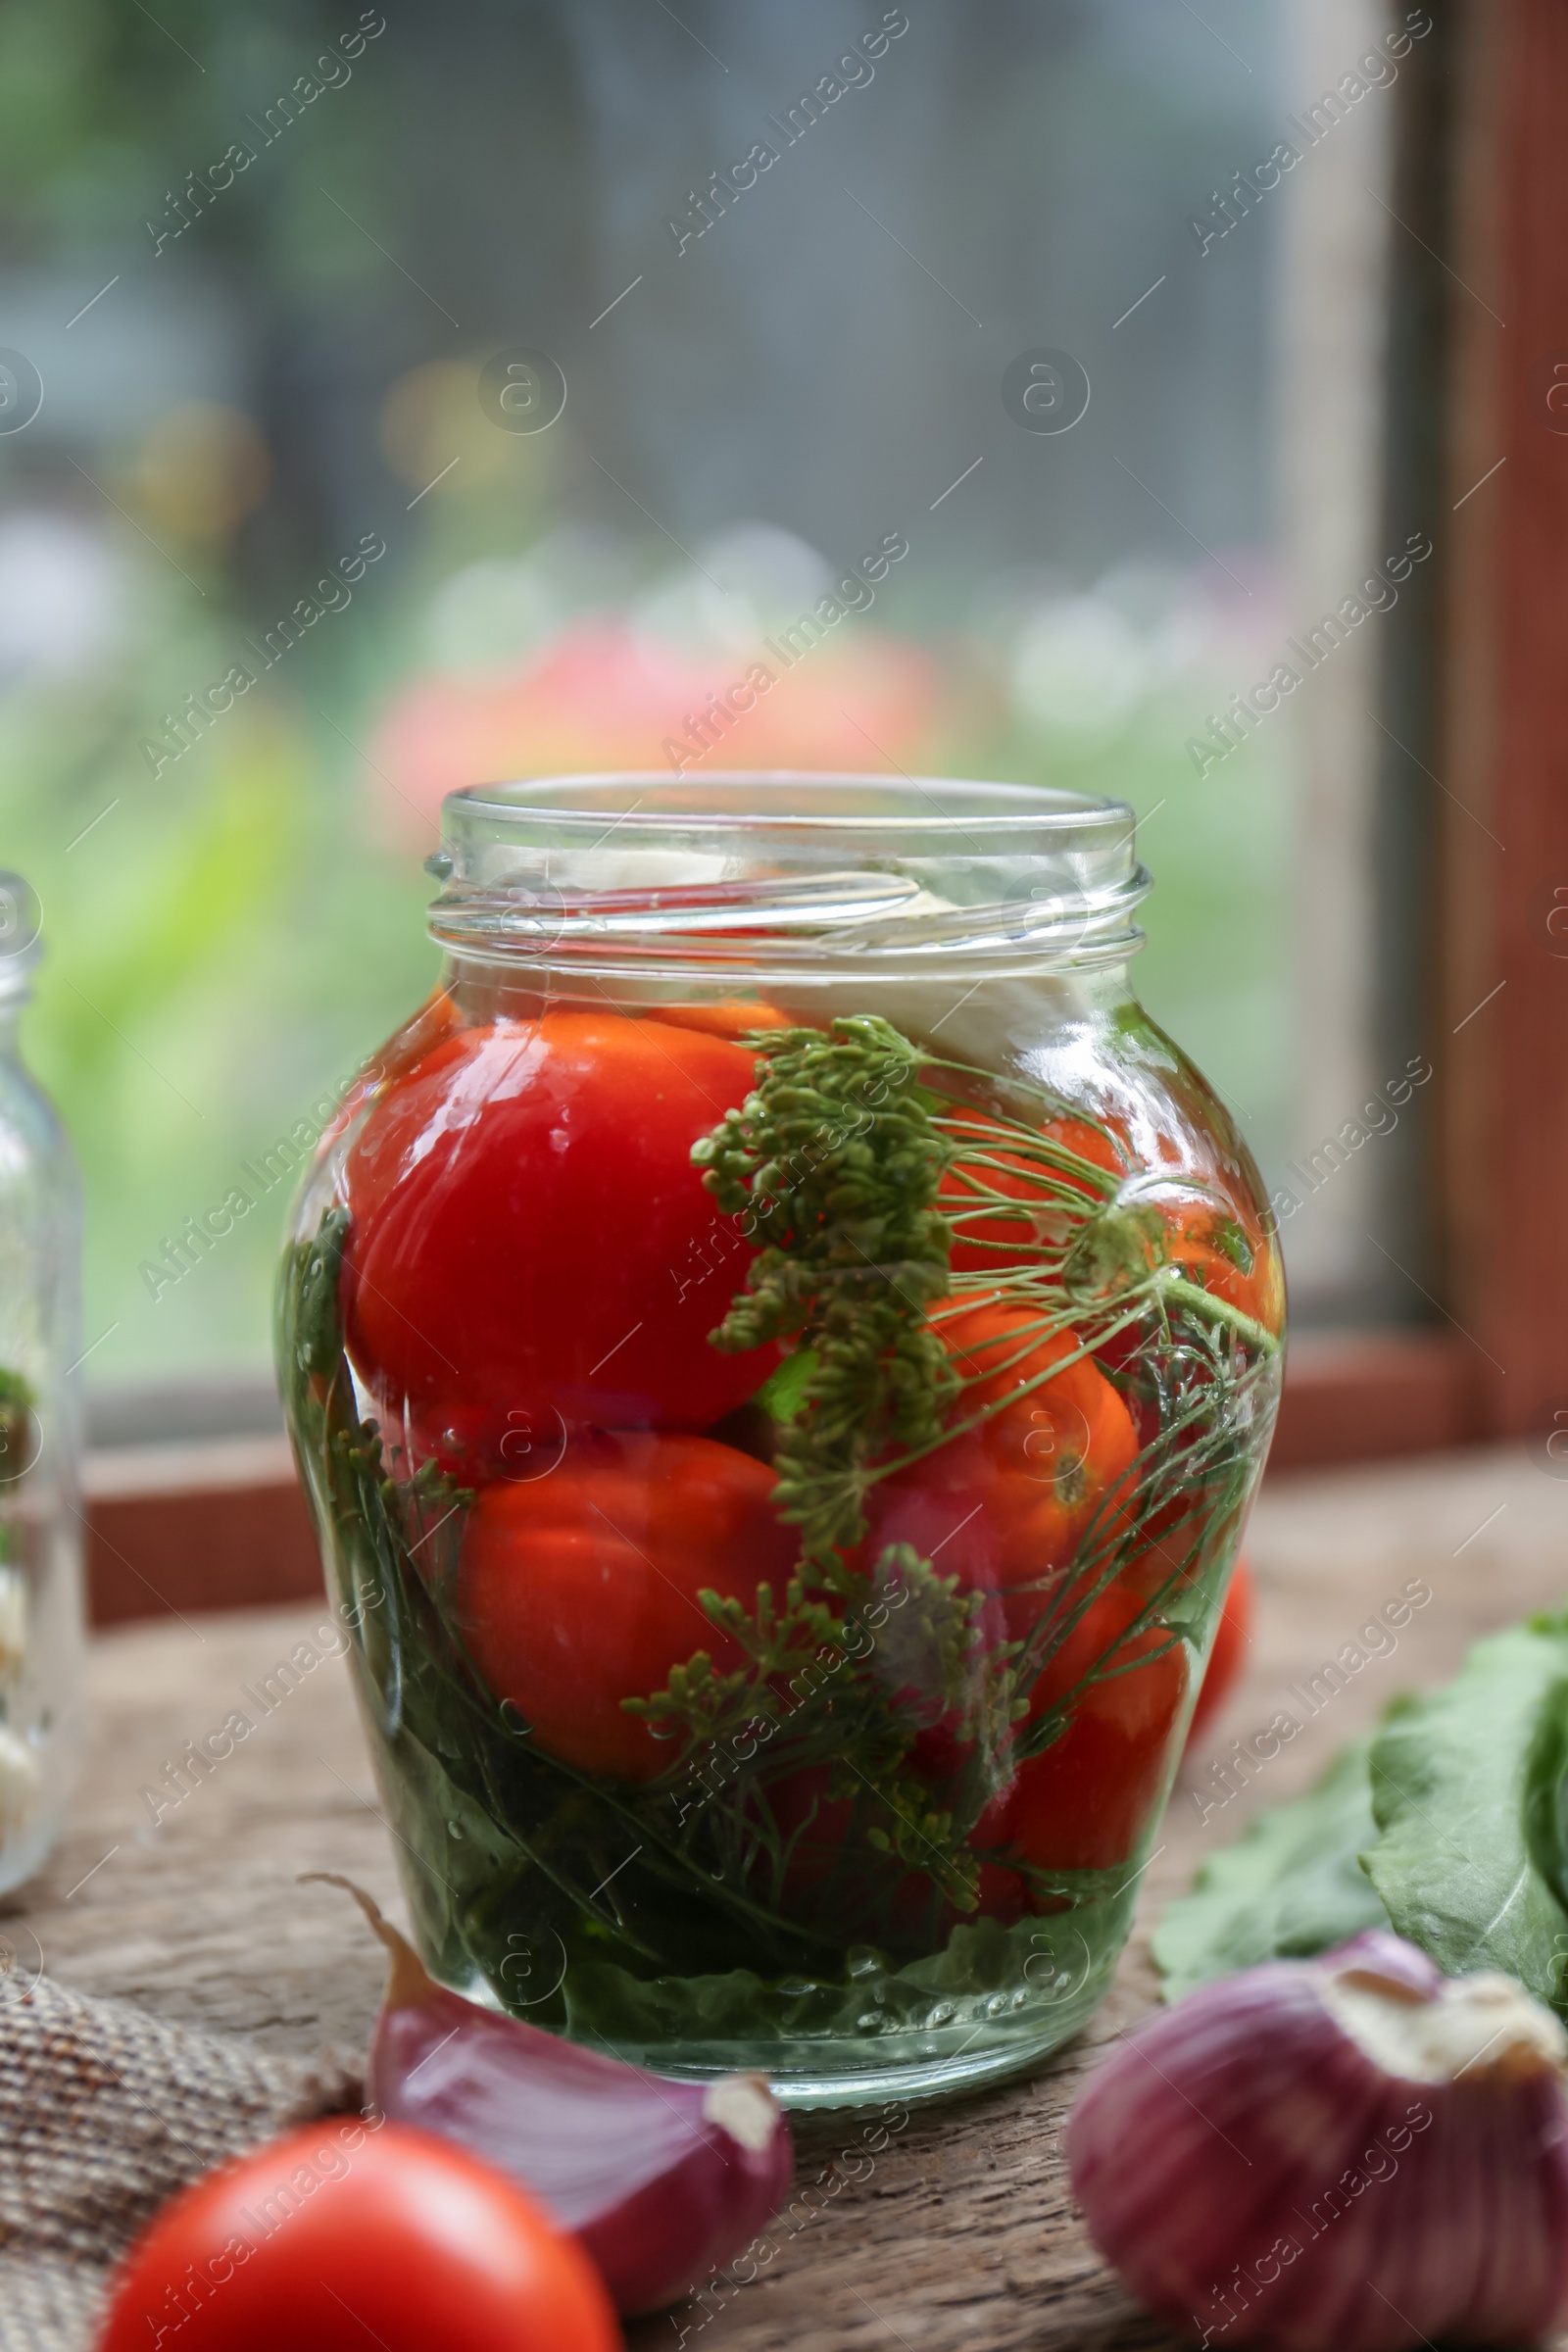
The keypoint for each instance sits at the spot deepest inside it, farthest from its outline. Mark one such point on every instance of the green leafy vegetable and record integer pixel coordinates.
(983, 1971)
(1449, 1826)
(1465, 1792)
(1291, 1886)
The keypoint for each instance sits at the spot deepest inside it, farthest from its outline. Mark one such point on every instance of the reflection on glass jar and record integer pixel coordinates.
(781, 1350)
(40, 1543)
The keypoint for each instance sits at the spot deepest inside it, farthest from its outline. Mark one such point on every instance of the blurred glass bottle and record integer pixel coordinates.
(41, 1520)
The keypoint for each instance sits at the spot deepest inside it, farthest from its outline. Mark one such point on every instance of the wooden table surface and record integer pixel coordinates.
(960, 2236)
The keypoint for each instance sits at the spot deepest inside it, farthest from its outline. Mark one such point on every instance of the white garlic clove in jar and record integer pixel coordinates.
(1356, 2152)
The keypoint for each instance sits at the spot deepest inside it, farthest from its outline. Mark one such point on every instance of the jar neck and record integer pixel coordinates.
(926, 1002)
(766, 879)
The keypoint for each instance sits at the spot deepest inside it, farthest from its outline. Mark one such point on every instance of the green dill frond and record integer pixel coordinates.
(835, 1162)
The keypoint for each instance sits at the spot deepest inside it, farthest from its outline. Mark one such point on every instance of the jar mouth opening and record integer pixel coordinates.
(735, 865)
(799, 801)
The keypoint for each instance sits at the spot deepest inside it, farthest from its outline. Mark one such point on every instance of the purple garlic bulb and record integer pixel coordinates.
(1352, 2154)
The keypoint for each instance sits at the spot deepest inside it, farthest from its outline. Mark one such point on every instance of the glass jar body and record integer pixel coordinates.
(781, 1576)
(41, 1520)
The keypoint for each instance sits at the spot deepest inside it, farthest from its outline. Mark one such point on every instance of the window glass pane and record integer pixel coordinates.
(1006, 384)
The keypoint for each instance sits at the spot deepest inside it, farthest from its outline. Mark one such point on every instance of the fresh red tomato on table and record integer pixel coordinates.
(343, 2233)
(529, 1238)
(579, 1588)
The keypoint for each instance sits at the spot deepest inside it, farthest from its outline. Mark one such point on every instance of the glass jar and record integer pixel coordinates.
(40, 1485)
(781, 1348)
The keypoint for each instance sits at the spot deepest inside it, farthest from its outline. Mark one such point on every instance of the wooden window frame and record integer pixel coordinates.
(1500, 973)
(1482, 896)
(225, 1524)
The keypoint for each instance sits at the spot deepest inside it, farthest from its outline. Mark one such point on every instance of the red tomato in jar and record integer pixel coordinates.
(730, 1017)
(578, 1590)
(343, 2235)
(984, 1241)
(1227, 1256)
(1181, 1543)
(1226, 1659)
(437, 1019)
(1212, 1246)
(826, 1881)
(529, 1236)
(473, 1444)
(1006, 1505)
(1085, 1801)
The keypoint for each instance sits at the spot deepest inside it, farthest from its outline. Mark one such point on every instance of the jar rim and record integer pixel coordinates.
(812, 863)
(652, 800)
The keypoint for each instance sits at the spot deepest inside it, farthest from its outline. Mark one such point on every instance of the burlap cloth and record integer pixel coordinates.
(104, 2111)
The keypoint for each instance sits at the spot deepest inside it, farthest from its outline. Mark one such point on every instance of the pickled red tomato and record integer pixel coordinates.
(1227, 1255)
(437, 1019)
(1208, 1240)
(1228, 1656)
(1006, 1505)
(578, 1590)
(823, 1872)
(986, 1238)
(530, 1239)
(1083, 1803)
(730, 1017)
